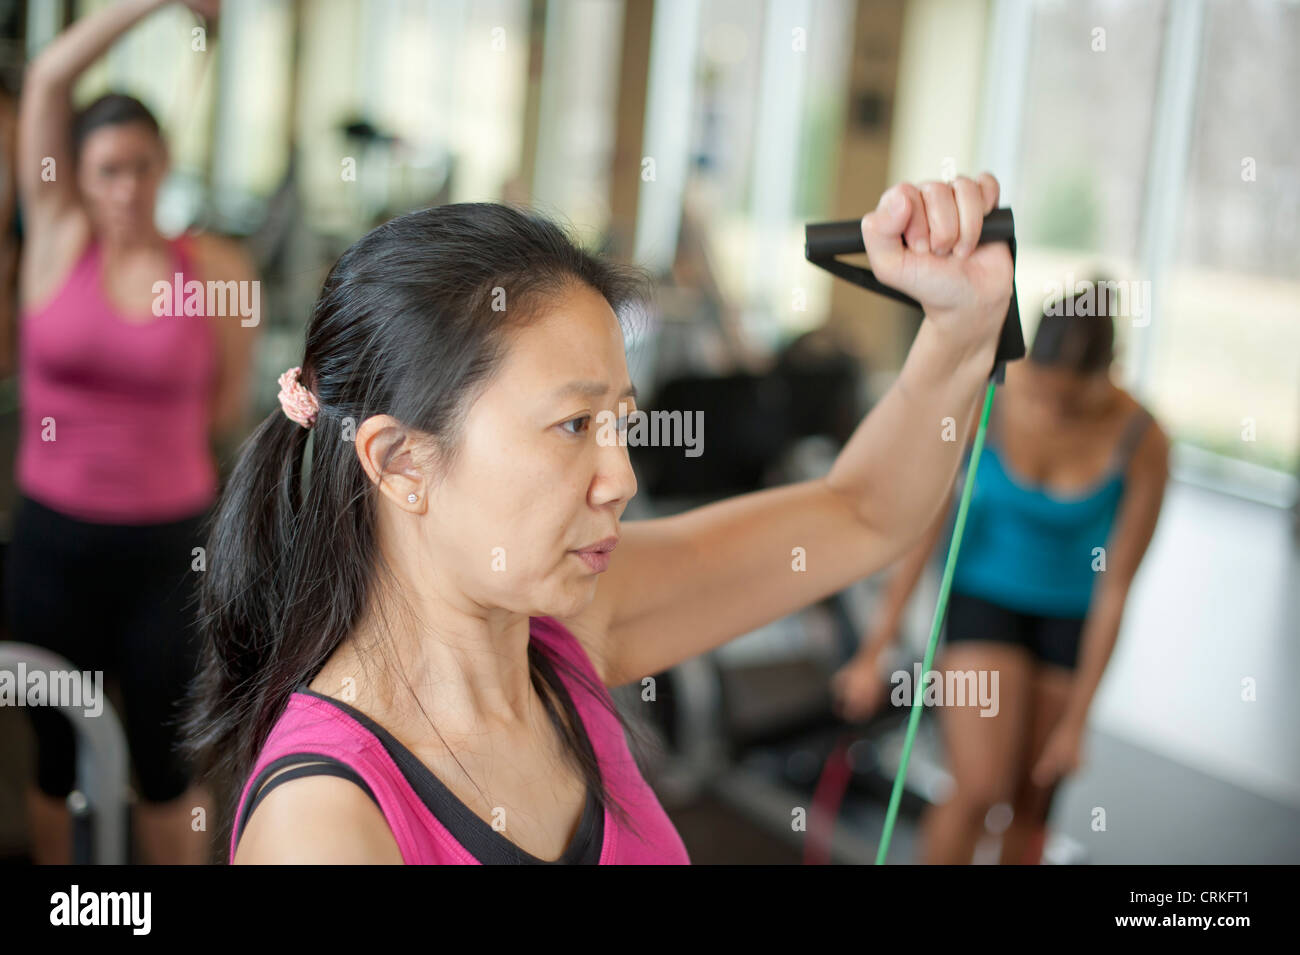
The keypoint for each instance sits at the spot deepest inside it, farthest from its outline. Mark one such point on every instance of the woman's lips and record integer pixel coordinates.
(598, 561)
(597, 555)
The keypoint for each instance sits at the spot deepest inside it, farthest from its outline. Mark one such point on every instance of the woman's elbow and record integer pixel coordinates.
(42, 78)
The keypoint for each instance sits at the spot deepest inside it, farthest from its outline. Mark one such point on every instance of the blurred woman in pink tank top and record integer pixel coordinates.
(122, 392)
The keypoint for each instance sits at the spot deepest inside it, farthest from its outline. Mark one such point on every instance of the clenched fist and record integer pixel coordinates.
(923, 241)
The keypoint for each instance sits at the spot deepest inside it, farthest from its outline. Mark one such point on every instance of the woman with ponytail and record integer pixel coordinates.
(124, 398)
(413, 608)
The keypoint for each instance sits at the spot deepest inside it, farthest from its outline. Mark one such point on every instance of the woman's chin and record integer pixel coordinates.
(577, 597)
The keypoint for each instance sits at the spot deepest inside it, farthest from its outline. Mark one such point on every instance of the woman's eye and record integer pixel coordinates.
(578, 421)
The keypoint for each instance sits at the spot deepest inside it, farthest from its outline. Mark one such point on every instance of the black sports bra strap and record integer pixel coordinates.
(1128, 441)
(309, 764)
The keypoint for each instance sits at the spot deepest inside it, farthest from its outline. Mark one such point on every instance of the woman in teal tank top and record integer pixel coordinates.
(1067, 493)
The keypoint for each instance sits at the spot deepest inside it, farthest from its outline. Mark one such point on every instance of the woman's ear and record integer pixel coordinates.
(392, 460)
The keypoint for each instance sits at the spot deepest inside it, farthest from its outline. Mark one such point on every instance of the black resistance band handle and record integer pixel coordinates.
(825, 240)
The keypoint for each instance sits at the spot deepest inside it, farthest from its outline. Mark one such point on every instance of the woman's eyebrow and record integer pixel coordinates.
(592, 389)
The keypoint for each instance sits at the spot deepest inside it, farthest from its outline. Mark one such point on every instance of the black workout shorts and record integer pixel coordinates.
(1053, 640)
(116, 598)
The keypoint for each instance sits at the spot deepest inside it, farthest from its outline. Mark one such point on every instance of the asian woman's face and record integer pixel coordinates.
(537, 476)
(119, 171)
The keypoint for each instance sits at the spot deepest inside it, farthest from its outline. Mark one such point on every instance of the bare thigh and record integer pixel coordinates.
(985, 752)
(1051, 695)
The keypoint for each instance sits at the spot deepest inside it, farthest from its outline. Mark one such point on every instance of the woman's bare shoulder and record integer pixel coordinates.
(1151, 453)
(220, 256)
(1130, 407)
(317, 820)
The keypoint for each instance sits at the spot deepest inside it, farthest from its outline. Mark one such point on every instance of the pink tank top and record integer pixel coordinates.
(311, 724)
(126, 403)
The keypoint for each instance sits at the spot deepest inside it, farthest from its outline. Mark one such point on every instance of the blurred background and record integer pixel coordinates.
(696, 138)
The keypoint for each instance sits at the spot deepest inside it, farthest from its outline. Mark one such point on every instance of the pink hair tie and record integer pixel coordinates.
(298, 403)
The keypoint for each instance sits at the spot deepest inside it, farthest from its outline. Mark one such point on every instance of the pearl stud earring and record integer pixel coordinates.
(411, 498)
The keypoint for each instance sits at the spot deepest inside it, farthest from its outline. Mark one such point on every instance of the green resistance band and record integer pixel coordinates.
(823, 242)
(914, 720)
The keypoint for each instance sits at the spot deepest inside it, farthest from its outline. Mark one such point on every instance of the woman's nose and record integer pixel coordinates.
(615, 480)
(124, 192)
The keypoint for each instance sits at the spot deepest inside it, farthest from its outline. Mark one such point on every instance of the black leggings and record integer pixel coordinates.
(116, 598)
(1053, 640)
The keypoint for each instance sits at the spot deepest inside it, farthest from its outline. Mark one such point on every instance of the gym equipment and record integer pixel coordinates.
(822, 242)
(98, 802)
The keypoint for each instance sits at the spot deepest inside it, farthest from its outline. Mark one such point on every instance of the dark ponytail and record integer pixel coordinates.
(404, 326)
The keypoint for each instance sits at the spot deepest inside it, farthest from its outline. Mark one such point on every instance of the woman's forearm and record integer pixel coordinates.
(902, 582)
(1096, 644)
(86, 40)
(901, 461)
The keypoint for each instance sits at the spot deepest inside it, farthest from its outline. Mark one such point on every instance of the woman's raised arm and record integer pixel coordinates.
(681, 585)
(46, 177)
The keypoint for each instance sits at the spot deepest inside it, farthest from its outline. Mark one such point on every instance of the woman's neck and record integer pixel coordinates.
(468, 674)
(1102, 403)
(117, 246)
